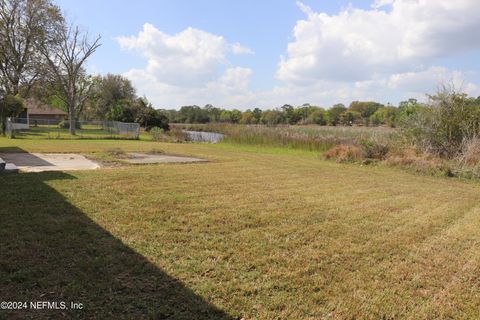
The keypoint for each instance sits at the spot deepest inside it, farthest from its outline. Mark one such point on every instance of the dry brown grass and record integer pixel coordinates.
(345, 153)
(470, 154)
(418, 161)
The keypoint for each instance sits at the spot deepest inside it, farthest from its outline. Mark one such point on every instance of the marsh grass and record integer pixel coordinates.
(314, 138)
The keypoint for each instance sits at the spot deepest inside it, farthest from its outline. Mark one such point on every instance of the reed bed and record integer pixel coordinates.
(314, 138)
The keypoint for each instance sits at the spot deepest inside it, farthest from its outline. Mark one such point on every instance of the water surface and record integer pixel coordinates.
(202, 136)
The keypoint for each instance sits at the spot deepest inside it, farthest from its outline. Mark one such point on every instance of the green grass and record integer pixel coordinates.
(258, 233)
(54, 132)
(80, 145)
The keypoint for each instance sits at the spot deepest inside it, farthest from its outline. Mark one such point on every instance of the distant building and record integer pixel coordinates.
(35, 110)
(39, 113)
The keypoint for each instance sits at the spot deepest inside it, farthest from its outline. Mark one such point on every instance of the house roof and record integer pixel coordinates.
(35, 107)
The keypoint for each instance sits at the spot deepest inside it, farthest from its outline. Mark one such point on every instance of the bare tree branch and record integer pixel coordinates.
(66, 61)
(24, 24)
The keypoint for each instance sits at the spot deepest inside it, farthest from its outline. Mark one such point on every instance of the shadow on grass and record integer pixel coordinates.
(20, 158)
(12, 149)
(51, 251)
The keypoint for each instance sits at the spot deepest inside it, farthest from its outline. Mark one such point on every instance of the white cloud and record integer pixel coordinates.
(190, 57)
(382, 3)
(231, 90)
(356, 44)
(190, 67)
(237, 48)
(305, 9)
(418, 83)
(391, 88)
(387, 53)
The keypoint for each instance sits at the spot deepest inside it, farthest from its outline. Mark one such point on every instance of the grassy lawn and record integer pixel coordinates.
(258, 233)
(80, 145)
(54, 132)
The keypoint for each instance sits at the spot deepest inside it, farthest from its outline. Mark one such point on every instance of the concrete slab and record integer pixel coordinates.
(10, 168)
(38, 162)
(143, 158)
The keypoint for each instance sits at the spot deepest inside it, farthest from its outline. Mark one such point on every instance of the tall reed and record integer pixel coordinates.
(315, 138)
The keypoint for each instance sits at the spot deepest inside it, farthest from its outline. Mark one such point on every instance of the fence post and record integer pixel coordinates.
(8, 128)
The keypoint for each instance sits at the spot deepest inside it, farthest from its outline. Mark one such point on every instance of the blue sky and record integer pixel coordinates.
(329, 49)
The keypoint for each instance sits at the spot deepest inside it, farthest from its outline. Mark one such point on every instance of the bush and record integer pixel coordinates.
(157, 133)
(345, 153)
(442, 127)
(420, 162)
(10, 106)
(116, 152)
(154, 118)
(470, 152)
(65, 124)
(156, 151)
(468, 160)
(173, 135)
(468, 172)
(178, 135)
(374, 149)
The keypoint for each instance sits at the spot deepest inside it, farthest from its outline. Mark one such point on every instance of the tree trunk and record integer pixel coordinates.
(3, 120)
(71, 115)
(3, 125)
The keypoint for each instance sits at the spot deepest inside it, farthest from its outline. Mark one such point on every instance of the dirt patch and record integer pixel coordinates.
(143, 158)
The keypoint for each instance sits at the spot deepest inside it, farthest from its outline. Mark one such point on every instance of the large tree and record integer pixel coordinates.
(110, 93)
(10, 105)
(334, 114)
(24, 26)
(66, 62)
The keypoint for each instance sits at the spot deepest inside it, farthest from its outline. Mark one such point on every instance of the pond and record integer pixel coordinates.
(201, 136)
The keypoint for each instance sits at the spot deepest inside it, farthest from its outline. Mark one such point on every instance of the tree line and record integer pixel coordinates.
(364, 113)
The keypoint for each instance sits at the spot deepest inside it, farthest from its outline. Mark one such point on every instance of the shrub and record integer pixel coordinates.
(153, 118)
(470, 152)
(173, 135)
(374, 148)
(420, 162)
(368, 149)
(468, 172)
(345, 153)
(468, 160)
(441, 127)
(157, 133)
(116, 152)
(178, 135)
(317, 117)
(156, 151)
(10, 106)
(65, 124)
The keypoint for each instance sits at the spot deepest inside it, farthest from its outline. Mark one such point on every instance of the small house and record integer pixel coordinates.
(36, 112)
